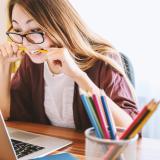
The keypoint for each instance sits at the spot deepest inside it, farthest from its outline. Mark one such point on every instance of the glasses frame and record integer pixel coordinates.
(25, 35)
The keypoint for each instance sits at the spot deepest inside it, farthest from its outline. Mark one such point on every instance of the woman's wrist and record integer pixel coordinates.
(5, 70)
(85, 82)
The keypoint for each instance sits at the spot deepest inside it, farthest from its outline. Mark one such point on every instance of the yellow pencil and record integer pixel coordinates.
(40, 50)
(152, 109)
(22, 48)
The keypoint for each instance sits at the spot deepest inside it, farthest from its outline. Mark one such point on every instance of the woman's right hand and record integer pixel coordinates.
(9, 53)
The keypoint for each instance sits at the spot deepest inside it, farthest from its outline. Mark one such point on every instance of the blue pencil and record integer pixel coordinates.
(90, 115)
(111, 124)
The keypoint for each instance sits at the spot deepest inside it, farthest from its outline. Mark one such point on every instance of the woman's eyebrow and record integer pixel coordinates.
(28, 21)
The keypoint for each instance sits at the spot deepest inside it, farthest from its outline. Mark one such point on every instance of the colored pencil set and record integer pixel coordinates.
(134, 128)
(101, 119)
(99, 114)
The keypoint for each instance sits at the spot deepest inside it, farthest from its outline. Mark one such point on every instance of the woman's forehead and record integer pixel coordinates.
(21, 17)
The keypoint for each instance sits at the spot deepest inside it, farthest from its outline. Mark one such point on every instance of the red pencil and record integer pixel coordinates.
(127, 132)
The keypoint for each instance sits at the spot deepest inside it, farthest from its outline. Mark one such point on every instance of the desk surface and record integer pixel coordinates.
(147, 149)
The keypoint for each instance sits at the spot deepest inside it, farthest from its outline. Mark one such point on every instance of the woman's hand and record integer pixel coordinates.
(61, 57)
(9, 53)
(70, 68)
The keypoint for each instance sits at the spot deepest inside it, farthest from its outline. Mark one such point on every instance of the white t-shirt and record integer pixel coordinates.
(58, 99)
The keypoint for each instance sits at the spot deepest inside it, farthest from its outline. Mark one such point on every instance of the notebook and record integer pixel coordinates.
(60, 156)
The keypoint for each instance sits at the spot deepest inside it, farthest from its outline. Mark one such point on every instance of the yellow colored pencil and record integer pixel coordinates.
(152, 109)
(40, 50)
(22, 48)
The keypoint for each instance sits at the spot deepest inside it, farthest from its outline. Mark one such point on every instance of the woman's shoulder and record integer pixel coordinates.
(103, 73)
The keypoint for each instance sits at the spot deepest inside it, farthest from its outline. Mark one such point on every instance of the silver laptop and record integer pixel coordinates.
(17, 144)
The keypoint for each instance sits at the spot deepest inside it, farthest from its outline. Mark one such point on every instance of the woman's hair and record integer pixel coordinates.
(59, 20)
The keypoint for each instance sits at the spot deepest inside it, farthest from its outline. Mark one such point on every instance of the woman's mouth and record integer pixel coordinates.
(37, 57)
(36, 54)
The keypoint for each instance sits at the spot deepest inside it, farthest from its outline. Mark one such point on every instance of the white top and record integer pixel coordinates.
(58, 100)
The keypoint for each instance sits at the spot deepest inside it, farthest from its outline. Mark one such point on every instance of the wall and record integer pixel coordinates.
(3, 22)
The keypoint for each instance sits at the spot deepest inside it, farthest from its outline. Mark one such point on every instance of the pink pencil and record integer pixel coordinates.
(101, 116)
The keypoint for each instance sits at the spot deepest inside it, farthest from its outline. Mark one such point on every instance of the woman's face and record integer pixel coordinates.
(23, 23)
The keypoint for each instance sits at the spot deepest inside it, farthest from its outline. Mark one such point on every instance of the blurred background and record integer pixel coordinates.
(133, 27)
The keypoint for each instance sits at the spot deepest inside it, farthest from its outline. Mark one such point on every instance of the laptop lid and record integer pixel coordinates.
(48, 143)
(6, 149)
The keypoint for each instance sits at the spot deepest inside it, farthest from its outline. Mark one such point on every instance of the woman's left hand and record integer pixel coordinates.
(62, 55)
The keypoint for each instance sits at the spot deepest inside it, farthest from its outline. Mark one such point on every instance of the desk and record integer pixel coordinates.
(147, 149)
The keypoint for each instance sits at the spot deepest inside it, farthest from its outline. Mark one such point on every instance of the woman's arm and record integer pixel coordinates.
(8, 54)
(5, 90)
(70, 68)
(121, 117)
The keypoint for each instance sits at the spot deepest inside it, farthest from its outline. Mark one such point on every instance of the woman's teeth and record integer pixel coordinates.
(39, 51)
(34, 52)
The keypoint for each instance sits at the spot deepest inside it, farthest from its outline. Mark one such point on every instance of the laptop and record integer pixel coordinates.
(21, 145)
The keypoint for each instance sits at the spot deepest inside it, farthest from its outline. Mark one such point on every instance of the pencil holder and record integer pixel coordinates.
(108, 149)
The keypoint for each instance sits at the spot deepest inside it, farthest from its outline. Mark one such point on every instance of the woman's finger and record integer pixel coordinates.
(9, 49)
(3, 51)
(20, 54)
(14, 47)
(55, 53)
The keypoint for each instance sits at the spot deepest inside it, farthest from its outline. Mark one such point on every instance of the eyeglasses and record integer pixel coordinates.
(33, 37)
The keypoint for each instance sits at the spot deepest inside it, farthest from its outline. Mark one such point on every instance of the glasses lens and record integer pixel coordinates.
(15, 37)
(36, 38)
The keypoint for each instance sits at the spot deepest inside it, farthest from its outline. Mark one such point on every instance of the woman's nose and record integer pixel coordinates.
(25, 42)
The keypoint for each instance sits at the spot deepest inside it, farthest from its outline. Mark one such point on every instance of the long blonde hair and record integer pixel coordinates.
(66, 29)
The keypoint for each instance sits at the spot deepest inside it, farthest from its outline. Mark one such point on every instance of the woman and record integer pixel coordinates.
(45, 87)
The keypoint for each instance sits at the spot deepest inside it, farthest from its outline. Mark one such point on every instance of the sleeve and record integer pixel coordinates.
(20, 109)
(118, 90)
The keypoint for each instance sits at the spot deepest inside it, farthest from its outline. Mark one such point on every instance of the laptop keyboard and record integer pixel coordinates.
(22, 149)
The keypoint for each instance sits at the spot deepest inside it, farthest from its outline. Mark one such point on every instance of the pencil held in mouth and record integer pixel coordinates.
(33, 51)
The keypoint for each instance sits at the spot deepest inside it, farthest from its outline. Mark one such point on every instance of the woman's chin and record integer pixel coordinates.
(37, 61)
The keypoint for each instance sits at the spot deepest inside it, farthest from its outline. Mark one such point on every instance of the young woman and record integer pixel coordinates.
(45, 89)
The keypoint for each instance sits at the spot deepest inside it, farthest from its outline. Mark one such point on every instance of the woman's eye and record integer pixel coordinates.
(36, 30)
(17, 30)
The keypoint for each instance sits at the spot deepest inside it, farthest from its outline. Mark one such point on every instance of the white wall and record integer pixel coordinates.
(133, 27)
(3, 23)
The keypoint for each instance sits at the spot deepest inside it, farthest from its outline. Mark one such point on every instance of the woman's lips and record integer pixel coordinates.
(38, 56)
(33, 53)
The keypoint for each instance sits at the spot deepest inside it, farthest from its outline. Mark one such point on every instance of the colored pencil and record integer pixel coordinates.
(142, 114)
(110, 121)
(144, 121)
(92, 107)
(101, 115)
(89, 113)
(35, 51)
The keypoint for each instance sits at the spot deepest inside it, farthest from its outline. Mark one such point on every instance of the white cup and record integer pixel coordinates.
(96, 148)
